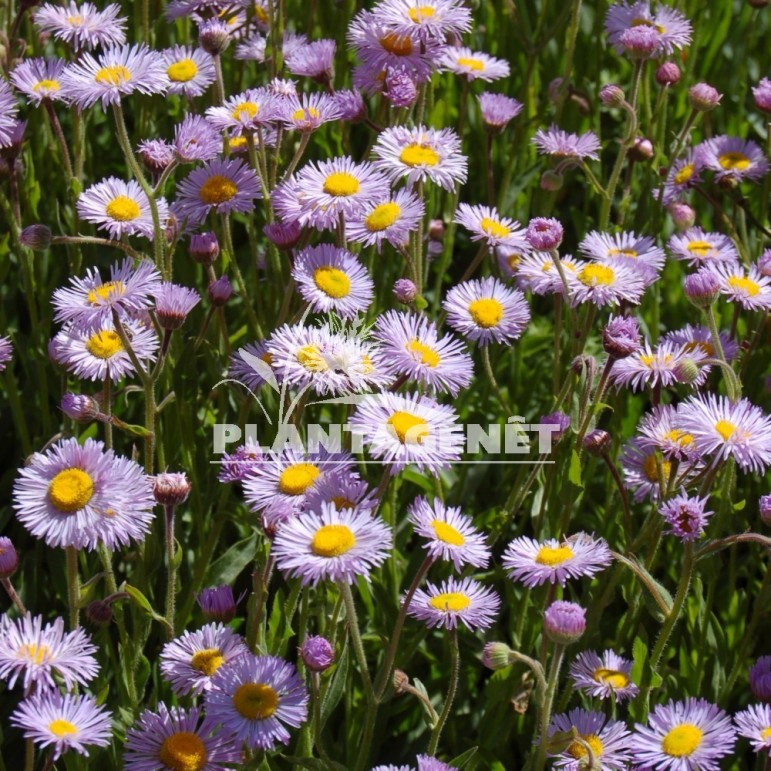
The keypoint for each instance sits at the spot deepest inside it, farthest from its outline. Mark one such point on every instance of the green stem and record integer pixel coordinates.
(73, 586)
(546, 705)
(171, 575)
(452, 689)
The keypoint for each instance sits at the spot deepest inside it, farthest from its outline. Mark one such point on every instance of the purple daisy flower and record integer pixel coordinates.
(607, 676)
(255, 698)
(8, 110)
(427, 763)
(222, 186)
(6, 352)
(391, 219)
(315, 60)
(537, 273)
(307, 112)
(646, 473)
(332, 279)
(690, 735)
(252, 49)
(734, 158)
(82, 26)
(485, 224)
(412, 348)
(487, 311)
(684, 175)
(343, 489)
(190, 70)
(331, 545)
(654, 367)
(697, 247)
(350, 104)
(607, 284)
(35, 653)
(672, 30)
(497, 110)
(746, 286)
(451, 535)
(246, 370)
(561, 144)
(656, 431)
(178, 739)
(424, 19)
(114, 74)
(68, 722)
(421, 154)
(81, 496)
(555, 561)
(474, 65)
(189, 662)
(121, 208)
(639, 253)
(173, 303)
(195, 139)
(455, 600)
(686, 516)
(404, 429)
(238, 465)
(754, 723)
(248, 111)
(608, 739)
(39, 79)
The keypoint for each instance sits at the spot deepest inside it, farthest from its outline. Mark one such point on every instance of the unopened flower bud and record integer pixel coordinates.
(36, 237)
(702, 288)
(220, 291)
(554, 88)
(551, 181)
(765, 509)
(9, 557)
(760, 679)
(99, 613)
(641, 149)
(640, 42)
(559, 419)
(667, 74)
(400, 680)
(283, 235)
(564, 622)
(214, 36)
(612, 95)
(704, 97)
(544, 233)
(405, 291)
(686, 371)
(317, 653)
(436, 230)
(204, 248)
(764, 263)
(762, 95)
(683, 216)
(79, 407)
(171, 489)
(496, 655)
(621, 336)
(217, 603)
(597, 442)
(399, 88)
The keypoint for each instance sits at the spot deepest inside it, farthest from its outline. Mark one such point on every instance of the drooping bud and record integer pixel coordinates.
(683, 216)
(496, 655)
(405, 290)
(686, 371)
(597, 442)
(36, 237)
(641, 149)
(612, 95)
(621, 336)
(544, 233)
(551, 181)
(214, 36)
(79, 407)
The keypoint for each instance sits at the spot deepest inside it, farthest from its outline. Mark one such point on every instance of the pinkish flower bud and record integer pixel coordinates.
(612, 95)
(641, 149)
(683, 216)
(704, 97)
(668, 74)
(220, 291)
(171, 489)
(9, 558)
(36, 237)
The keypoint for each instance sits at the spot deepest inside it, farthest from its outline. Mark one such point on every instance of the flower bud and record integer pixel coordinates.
(284, 235)
(765, 509)
(641, 149)
(400, 88)
(640, 42)
(401, 681)
(317, 653)
(544, 233)
(597, 442)
(220, 291)
(36, 237)
(214, 36)
(764, 263)
(704, 97)
(686, 371)
(554, 88)
(436, 230)
(496, 655)
(762, 95)
(79, 407)
(760, 679)
(564, 622)
(667, 74)
(551, 181)
(217, 603)
(612, 95)
(621, 336)
(702, 288)
(204, 248)
(99, 613)
(405, 291)
(559, 419)
(9, 558)
(171, 489)
(683, 216)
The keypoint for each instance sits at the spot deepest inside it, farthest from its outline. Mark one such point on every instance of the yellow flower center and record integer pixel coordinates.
(682, 741)
(734, 161)
(421, 14)
(592, 275)
(409, 428)
(552, 556)
(622, 252)
(123, 209)
(34, 653)
(245, 111)
(766, 733)
(680, 437)
(651, 469)
(70, 490)
(182, 71)
(115, 75)
(699, 248)
(183, 751)
(255, 701)
(332, 282)
(366, 364)
(427, 356)
(310, 357)
(295, 480)
(217, 189)
(236, 143)
(333, 540)
(261, 14)
(493, 228)
(725, 428)
(513, 261)
(647, 23)
(612, 677)
(62, 728)
(487, 312)
(746, 285)
(382, 217)
(578, 751)
(304, 113)
(105, 291)
(342, 502)
(207, 661)
(476, 65)
(684, 174)
(76, 21)
(447, 533)
(46, 85)
(341, 184)
(104, 344)
(398, 45)
(450, 602)
(418, 155)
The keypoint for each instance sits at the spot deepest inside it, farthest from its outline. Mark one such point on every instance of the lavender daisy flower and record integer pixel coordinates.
(98, 353)
(607, 676)
(762, 95)
(83, 496)
(653, 367)
(238, 465)
(637, 252)
(400, 430)
(646, 472)
(690, 735)
(201, 8)
(698, 247)
(671, 28)
(350, 104)
(331, 545)
(121, 208)
(451, 535)
(243, 367)
(218, 603)
(421, 154)
(656, 431)
(412, 348)
(535, 563)
(252, 49)
(684, 175)
(734, 159)
(754, 723)
(195, 139)
(6, 352)
(315, 60)
(173, 303)
(156, 154)
(8, 110)
(332, 279)
(497, 110)
(604, 284)
(189, 662)
(343, 489)
(114, 74)
(89, 302)
(68, 722)
(686, 516)
(391, 219)
(487, 225)
(487, 311)
(537, 273)
(455, 600)
(35, 653)
(608, 739)
(255, 698)
(82, 26)
(424, 19)
(39, 79)
(307, 112)
(473, 64)
(222, 186)
(746, 286)
(561, 144)
(178, 739)
(245, 112)
(724, 429)
(699, 339)
(427, 763)
(392, 768)
(190, 70)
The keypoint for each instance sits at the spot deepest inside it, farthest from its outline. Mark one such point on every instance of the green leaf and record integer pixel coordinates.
(140, 599)
(226, 569)
(662, 597)
(336, 687)
(574, 475)
(463, 758)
